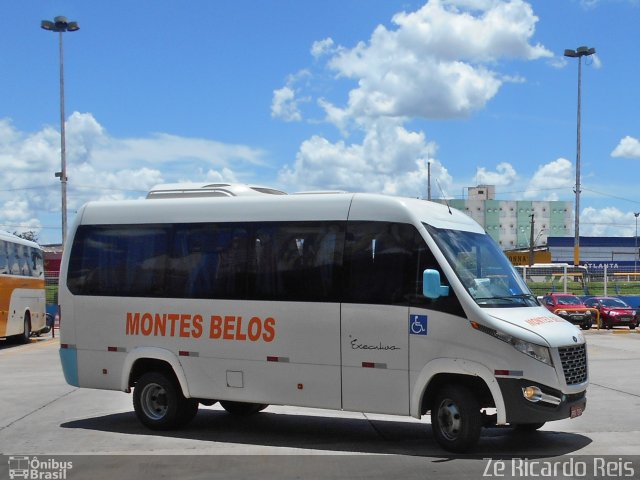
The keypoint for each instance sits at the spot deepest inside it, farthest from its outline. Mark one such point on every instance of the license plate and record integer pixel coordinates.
(576, 411)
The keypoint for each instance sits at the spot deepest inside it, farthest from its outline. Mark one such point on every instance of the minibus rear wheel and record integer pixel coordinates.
(159, 403)
(456, 419)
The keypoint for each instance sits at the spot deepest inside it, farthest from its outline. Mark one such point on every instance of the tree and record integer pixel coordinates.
(28, 235)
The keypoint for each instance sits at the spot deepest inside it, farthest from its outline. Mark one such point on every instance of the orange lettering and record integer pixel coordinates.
(196, 331)
(269, 330)
(216, 327)
(185, 324)
(133, 323)
(160, 327)
(229, 321)
(173, 318)
(255, 329)
(146, 324)
(239, 334)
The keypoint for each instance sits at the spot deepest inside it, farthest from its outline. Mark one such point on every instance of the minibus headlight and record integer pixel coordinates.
(539, 352)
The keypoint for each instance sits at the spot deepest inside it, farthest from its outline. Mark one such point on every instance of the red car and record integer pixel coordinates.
(569, 307)
(614, 312)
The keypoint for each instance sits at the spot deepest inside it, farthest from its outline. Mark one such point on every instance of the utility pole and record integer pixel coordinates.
(531, 240)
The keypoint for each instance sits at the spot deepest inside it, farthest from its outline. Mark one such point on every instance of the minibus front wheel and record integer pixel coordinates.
(456, 418)
(159, 403)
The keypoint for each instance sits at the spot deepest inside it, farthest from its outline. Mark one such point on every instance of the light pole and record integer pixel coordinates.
(635, 256)
(579, 53)
(61, 25)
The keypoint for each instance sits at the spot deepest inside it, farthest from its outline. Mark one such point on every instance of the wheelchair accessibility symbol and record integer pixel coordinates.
(418, 324)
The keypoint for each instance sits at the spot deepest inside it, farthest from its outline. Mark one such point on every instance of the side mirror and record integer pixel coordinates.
(431, 287)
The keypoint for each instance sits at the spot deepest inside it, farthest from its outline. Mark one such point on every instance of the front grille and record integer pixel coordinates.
(574, 363)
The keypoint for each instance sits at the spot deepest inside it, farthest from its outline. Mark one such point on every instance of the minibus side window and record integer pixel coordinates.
(381, 263)
(448, 303)
(384, 263)
(208, 261)
(296, 261)
(119, 260)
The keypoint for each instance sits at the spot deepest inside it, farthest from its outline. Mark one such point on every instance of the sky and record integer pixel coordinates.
(356, 95)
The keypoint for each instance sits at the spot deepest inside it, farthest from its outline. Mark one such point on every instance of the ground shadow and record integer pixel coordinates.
(339, 434)
(10, 342)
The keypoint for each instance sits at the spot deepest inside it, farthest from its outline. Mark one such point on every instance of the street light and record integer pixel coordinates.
(61, 25)
(579, 53)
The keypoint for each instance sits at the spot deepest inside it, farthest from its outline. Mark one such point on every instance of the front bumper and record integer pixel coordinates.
(620, 321)
(555, 405)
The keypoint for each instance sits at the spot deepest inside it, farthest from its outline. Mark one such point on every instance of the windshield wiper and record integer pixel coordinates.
(512, 298)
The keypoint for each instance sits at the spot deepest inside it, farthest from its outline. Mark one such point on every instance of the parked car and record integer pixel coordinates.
(570, 307)
(614, 312)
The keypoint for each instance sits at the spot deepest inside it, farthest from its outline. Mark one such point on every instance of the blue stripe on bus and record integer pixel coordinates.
(69, 360)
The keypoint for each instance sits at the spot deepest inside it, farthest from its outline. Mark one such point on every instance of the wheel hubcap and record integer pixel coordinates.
(449, 419)
(153, 401)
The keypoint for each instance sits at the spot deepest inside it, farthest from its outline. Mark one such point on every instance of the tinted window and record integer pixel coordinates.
(384, 265)
(296, 261)
(119, 260)
(293, 261)
(208, 261)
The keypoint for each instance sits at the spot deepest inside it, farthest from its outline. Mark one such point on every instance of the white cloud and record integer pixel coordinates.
(629, 147)
(100, 166)
(608, 221)
(435, 62)
(285, 102)
(284, 105)
(439, 61)
(504, 175)
(322, 47)
(390, 160)
(549, 179)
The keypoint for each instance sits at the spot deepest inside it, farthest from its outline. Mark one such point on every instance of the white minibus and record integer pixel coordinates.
(354, 302)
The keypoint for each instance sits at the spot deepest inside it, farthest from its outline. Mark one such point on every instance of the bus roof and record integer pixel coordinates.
(311, 207)
(10, 237)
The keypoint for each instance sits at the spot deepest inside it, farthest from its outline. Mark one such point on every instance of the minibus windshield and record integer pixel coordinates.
(482, 268)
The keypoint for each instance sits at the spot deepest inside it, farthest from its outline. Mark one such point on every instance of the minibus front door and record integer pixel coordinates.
(375, 358)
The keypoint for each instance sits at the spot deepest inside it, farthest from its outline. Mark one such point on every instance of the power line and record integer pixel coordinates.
(75, 187)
